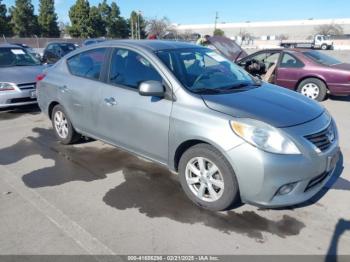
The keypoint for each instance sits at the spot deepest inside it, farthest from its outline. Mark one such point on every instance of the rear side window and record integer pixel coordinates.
(289, 61)
(87, 64)
(129, 68)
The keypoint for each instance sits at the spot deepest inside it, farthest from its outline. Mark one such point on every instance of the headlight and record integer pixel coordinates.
(4, 86)
(264, 136)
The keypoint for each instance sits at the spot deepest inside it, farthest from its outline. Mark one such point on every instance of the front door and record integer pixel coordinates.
(289, 71)
(127, 119)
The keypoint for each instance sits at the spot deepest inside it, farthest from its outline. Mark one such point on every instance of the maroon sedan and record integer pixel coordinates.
(309, 72)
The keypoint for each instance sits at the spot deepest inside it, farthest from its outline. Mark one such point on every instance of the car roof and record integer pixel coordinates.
(59, 43)
(291, 50)
(9, 45)
(151, 45)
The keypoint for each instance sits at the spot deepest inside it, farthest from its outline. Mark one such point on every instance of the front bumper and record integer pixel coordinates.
(261, 174)
(17, 98)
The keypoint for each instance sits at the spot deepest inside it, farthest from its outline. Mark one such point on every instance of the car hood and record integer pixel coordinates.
(271, 104)
(20, 74)
(342, 66)
(228, 48)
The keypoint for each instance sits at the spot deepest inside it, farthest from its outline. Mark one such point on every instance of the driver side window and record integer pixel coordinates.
(129, 68)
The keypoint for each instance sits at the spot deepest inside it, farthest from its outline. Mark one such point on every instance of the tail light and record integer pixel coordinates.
(40, 77)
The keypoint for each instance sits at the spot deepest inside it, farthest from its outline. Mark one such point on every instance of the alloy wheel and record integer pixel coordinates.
(61, 124)
(204, 179)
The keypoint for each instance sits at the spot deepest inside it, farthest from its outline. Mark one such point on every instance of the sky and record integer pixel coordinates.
(203, 11)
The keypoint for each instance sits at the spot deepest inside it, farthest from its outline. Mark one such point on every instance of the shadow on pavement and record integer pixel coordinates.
(341, 227)
(16, 112)
(339, 98)
(148, 187)
(71, 163)
(156, 193)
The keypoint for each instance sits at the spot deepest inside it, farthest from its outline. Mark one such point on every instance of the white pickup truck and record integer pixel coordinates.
(318, 42)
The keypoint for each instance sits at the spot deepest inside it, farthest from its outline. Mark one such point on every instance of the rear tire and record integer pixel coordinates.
(313, 88)
(220, 188)
(63, 127)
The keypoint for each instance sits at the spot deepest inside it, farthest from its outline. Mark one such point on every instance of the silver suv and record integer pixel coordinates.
(230, 137)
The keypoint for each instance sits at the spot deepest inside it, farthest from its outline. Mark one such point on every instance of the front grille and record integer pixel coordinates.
(316, 181)
(22, 100)
(27, 86)
(324, 139)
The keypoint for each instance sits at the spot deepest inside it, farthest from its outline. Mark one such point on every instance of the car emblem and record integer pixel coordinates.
(330, 135)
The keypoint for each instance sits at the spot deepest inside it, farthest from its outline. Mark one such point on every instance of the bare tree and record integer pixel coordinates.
(244, 35)
(158, 27)
(329, 29)
(282, 37)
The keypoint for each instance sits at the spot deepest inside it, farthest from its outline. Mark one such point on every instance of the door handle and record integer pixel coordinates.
(63, 89)
(110, 101)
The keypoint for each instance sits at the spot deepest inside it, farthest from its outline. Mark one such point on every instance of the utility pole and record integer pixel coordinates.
(216, 20)
(138, 25)
(132, 27)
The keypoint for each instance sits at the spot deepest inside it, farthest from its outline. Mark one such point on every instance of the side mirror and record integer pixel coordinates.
(151, 88)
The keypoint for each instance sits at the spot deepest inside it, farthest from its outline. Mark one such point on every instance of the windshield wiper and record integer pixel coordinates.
(241, 86)
(206, 90)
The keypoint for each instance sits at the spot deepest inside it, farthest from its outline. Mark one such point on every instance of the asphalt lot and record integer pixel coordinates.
(94, 199)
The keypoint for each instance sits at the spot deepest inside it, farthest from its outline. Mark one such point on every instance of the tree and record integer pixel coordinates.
(48, 19)
(218, 32)
(137, 22)
(5, 27)
(79, 15)
(329, 29)
(158, 27)
(117, 26)
(24, 21)
(98, 26)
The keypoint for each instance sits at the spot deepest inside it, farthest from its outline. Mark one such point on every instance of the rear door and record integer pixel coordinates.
(80, 90)
(127, 119)
(289, 71)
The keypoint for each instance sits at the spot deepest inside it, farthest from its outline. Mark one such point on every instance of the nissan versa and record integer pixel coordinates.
(18, 69)
(230, 137)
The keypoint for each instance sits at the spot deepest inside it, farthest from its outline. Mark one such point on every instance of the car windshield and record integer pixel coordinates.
(321, 58)
(203, 70)
(17, 57)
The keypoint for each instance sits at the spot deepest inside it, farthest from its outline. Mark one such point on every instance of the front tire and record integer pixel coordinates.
(324, 47)
(208, 179)
(63, 127)
(313, 88)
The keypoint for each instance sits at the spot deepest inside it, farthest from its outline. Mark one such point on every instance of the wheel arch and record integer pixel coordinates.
(310, 76)
(51, 107)
(185, 145)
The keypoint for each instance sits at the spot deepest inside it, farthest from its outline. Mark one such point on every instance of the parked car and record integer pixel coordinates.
(309, 72)
(54, 51)
(229, 136)
(18, 72)
(92, 41)
(29, 49)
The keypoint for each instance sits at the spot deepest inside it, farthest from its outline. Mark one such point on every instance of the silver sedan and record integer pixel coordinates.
(229, 136)
(18, 72)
